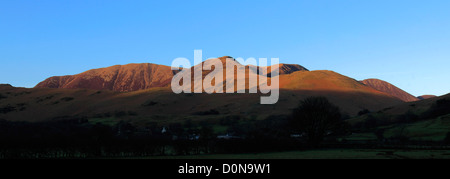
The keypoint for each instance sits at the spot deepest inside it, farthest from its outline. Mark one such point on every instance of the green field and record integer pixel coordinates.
(326, 154)
(429, 130)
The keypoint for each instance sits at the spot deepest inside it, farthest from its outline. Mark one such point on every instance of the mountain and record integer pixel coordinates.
(388, 88)
(130, 77)
(141, 93)
(134, 77)
(426, 97)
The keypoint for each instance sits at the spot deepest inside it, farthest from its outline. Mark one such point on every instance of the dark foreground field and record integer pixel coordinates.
(324, 154)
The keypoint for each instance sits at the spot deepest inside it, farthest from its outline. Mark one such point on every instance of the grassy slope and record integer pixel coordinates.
(429, 130)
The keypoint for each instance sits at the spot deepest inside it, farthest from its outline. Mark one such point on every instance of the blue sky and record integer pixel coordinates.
(404, 42)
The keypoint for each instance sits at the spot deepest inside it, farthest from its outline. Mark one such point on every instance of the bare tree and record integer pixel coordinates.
(316, 117)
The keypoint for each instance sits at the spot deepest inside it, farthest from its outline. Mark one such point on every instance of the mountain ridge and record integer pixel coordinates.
(129, 77)
(139, 76)
(143, 90)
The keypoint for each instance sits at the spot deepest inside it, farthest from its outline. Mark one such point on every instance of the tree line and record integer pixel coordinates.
(313, 122)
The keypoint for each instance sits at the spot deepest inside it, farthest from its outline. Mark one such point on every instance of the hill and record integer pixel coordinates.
(426, 97)
(388, 88)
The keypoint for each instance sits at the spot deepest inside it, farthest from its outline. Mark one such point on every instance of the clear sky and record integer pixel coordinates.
(404, 42)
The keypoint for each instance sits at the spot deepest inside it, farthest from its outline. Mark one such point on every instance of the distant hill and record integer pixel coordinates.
(388, 88)
(426, 97)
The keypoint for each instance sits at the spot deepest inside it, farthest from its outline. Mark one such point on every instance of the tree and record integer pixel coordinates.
(206, 135)
(124, 129)
(316, 117)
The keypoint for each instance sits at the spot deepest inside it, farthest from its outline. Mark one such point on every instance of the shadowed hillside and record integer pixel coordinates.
(161, 104)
